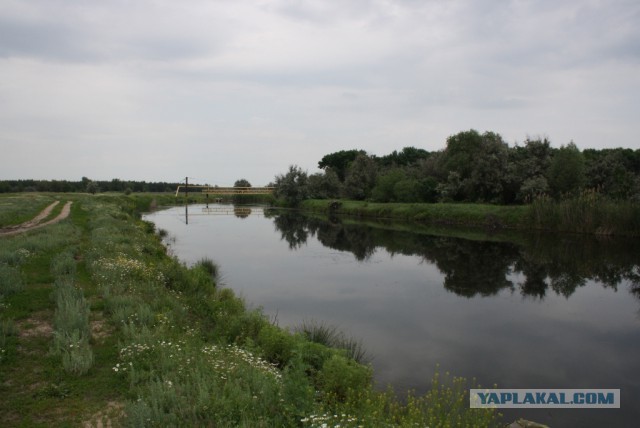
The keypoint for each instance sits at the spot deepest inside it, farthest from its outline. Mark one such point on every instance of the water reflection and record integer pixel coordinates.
(536, 266)
(240, 211)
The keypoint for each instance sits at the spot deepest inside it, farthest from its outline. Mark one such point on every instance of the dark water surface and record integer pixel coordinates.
(547, 312)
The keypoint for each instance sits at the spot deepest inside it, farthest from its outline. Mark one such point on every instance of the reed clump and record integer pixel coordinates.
(589, 212)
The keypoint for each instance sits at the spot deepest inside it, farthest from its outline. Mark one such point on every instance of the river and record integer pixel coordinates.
(529, 311)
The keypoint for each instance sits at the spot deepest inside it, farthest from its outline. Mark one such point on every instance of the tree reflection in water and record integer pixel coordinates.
(533, 266)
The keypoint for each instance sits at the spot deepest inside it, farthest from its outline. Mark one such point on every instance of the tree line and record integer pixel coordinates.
(85, 185)
(473, 167)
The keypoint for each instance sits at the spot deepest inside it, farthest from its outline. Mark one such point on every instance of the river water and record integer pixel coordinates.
(524, 312)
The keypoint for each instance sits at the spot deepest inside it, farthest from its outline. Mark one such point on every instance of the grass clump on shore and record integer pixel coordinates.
(331, 336)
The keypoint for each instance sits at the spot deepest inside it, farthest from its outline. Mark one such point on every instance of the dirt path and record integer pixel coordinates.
(36, 222)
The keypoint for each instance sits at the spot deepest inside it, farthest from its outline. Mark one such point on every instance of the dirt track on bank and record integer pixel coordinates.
(37, 222)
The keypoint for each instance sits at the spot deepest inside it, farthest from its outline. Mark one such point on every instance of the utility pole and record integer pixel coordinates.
(186, 201)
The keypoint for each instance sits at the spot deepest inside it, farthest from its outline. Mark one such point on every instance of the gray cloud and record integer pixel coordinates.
(252, 87)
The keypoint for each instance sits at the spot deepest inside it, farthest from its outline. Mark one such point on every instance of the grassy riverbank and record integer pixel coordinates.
(482, 215)
(99, 324)
(587, 213)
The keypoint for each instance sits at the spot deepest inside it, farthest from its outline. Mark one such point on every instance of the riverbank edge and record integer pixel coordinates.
(441, 214)
(585, 214)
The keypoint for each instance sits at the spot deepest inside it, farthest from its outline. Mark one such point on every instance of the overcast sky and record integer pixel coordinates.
(158, 90)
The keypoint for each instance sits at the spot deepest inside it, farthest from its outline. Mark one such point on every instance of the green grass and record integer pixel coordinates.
(18, 208)
(161, 344)
(588, 213)
(482, 215)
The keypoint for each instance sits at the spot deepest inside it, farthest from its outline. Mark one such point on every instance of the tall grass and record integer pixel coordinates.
(16, 250)
(331, 336)
(8, 330)
(210, 267)
(71, 333)
(63, 265)
(589, 212)
(10, 280)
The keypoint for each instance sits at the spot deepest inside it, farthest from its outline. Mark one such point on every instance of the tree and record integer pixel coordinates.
(385, 185)
(488, 172)
(361, 177)
(324, 185)
(566, 174)
(92, 187)
(242, 199)
(406, 190)
(461, 152)
(528, 166)
(292, 186)
(610, 171)
(479, 163)
(407, 156)
(339, 161)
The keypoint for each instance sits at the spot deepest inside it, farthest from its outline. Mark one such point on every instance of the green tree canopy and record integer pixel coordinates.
(339, 161)
(361, 177)
(566, 174)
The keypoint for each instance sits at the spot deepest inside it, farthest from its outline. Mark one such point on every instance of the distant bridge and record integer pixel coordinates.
(225, 191)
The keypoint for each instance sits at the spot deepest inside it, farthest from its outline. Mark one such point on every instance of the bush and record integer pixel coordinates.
(277, 344)
(341, 376)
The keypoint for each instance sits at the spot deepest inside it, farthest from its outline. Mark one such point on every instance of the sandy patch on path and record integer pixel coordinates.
(109, 417)
(36, 325)
(36, 222)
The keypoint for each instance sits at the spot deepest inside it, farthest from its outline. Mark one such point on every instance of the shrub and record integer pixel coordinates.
(277, 344)
(340, 376)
